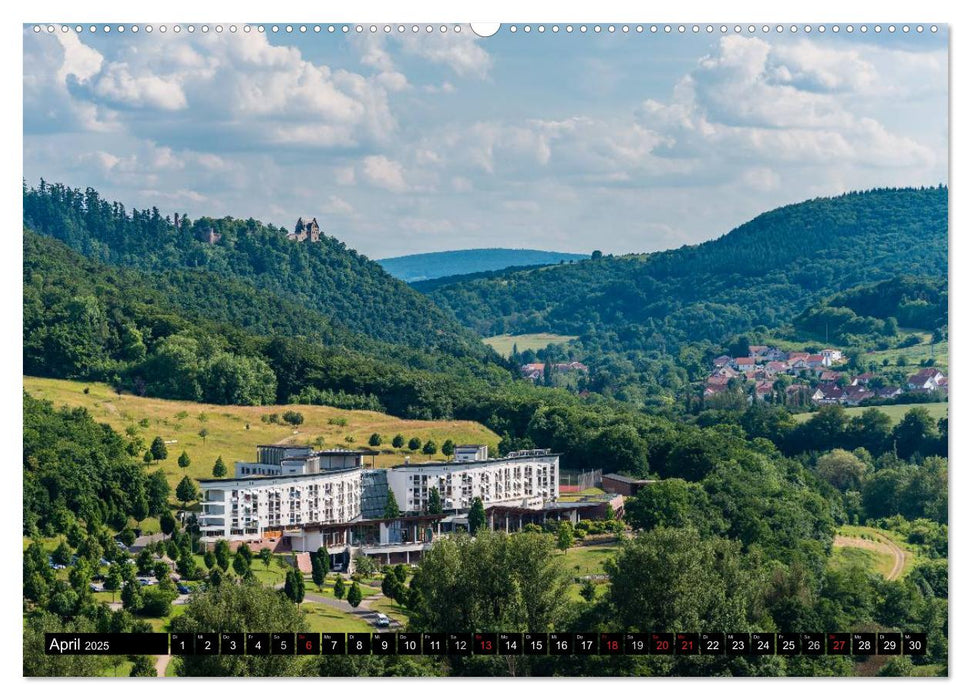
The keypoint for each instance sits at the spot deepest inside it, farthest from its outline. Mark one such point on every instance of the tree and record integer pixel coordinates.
(339, 588)
(222, 552)
(293, 586)
(209, 558)
(113, 580)
(127, 537)
(391, 587)
(621, 449)
(841, 469)
(588, 591)
(564, 535)
(144, 562)
(655, 583)
(293, 417)
(142, 666)
(186, 491)
(158, 449)
(493, 581)
(244, 551)
(204, 433)
(477, 516)
(161, 571)
(374, 440)
(448, 448)
(265, 555)
(430, 448)
(667, 503)
(166, 522)
(139, 507)
(596, 255)
(915, 433)
(240, 564)
(391, 510)
(434, 501)
(414, 444)
(398, 441)
(186, 565)
(354, 596)
(319, 567)
(62, 554)
(184, 460)
(157, 492)
(240, 607)
(131, 596)
(219, 468)
(148, 458)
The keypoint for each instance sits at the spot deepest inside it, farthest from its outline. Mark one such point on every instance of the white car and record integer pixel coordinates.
(382, 620)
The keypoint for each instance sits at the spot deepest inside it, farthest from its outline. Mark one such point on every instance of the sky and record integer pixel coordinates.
(408, 142)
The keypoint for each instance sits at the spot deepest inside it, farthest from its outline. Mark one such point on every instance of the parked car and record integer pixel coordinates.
(382, 620)
(184, 590)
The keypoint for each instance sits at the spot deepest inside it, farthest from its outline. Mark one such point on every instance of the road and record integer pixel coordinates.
(362, 611)
(880, 543)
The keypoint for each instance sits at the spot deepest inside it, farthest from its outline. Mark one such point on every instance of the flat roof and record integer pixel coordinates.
(332, 451)
(627, 479)
(279, 477)
(289, 447)
(465, 463)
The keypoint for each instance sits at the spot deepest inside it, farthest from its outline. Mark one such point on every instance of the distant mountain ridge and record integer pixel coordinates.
(448, 263)
(762, 273)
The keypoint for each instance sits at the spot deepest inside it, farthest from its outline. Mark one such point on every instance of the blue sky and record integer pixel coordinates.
(404, 143)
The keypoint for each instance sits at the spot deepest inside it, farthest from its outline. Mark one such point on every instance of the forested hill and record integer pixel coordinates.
(427, 266)
(192, 335)
(352, 291)
(762, 273)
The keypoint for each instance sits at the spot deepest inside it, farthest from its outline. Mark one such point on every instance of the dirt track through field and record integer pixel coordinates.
(880, 543)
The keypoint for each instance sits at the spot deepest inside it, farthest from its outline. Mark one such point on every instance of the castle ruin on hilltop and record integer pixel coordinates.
(306, 229)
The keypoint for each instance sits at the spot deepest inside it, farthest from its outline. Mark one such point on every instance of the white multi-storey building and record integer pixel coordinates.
(295, 490)
(526, 479)
(246, 507)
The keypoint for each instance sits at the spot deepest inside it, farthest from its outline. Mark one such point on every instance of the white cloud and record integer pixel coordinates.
(383, 172)
(336, 205)
(461, 52)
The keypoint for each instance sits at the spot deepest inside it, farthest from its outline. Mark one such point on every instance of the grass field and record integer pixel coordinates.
(896, 412)
(323, 618)
(848, 557)
(914, 355)
(880, 562)
(588, 561)
(502, 344)
(235, 431)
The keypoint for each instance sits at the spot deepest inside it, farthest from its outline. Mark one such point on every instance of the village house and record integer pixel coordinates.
(927, 379)
(817, 361)
(725, 371)
(721, 361)
(828, 394)
(743, 364)
(855, 394)
(832, 355)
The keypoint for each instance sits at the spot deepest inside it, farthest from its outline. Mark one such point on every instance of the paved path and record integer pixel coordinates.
(363, 611)
(879, 543)
(162, 663)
